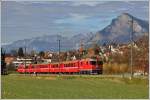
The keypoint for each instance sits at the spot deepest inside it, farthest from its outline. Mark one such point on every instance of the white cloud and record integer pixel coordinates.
(33, 2)
(74, 17)
(59, 21)
(122, 9)
(88, 3)
(5, 43)
(130, 2)
(78, 17)
(118, 10)
(144, 7)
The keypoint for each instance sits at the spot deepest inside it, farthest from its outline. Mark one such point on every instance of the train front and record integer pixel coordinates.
(97, 66)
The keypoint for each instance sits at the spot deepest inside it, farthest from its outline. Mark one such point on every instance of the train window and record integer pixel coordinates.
(73, 64)
(54, 66)
(70, 65)
(43, 66)
(87, 62)
(93, 62)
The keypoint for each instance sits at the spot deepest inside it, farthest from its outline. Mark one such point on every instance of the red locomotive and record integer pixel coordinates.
(84, 66)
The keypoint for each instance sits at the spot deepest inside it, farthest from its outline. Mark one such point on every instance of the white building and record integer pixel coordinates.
(19, 61)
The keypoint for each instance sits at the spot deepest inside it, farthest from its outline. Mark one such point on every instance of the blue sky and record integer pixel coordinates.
(26, 19)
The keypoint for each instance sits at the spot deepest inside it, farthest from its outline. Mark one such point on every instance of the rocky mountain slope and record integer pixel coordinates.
(119, 30)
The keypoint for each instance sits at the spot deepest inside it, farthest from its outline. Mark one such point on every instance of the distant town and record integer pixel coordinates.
(116, 57)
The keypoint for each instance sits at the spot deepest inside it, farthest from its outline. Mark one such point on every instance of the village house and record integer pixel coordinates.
(9, 59)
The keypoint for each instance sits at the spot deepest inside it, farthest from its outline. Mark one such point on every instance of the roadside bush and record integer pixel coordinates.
(115, 68)
(107, 69)
(123, 68)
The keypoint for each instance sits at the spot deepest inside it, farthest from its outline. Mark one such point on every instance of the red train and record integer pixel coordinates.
(84, 66)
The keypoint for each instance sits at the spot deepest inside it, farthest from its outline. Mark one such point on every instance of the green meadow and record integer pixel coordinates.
(72, 87)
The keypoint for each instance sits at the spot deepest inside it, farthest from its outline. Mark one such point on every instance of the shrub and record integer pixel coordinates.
(107, 68)
(114, 68)
(123, 68)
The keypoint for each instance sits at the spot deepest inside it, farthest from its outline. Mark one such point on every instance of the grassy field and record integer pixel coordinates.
(72, 87)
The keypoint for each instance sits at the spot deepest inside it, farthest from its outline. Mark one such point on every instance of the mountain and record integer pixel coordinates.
(47, 42)
(120, 29)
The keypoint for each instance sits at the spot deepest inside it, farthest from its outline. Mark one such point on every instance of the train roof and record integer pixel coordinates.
(72, 61)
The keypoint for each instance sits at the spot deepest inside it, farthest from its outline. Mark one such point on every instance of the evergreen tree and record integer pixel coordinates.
(20, 52)
(3, 64)
(41, 53)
